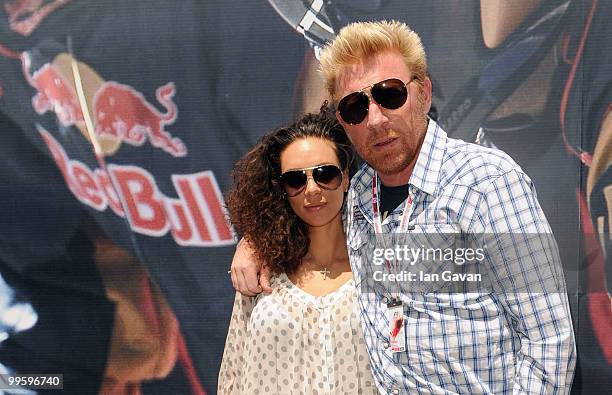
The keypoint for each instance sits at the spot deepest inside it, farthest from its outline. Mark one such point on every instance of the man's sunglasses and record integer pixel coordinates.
(326, 176)
(390, 94)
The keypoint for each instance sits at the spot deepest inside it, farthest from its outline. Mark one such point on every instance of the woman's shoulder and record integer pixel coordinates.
(279, 283)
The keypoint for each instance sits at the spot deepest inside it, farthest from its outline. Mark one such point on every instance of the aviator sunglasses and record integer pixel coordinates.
(390, 94)
(326, 176)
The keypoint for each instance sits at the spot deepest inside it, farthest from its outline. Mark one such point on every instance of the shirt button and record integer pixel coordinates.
(384, 300)
(395, 391)
(385, 345)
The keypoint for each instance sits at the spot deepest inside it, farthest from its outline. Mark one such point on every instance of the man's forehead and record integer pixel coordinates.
(352, 72)
(369, 70)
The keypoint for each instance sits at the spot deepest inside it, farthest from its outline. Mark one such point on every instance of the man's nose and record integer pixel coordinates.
(376, 118)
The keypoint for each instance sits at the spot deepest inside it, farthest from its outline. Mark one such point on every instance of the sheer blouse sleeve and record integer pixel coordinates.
(233, 354)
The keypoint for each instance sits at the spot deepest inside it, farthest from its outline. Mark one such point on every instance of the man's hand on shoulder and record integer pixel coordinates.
(249, 276)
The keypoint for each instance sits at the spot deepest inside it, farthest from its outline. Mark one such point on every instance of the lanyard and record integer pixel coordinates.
(402, 228)
(406, 213)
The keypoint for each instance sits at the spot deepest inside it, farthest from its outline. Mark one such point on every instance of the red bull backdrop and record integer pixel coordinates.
(120, 122)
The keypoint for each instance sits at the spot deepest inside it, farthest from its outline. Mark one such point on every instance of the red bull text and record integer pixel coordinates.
(196, 218)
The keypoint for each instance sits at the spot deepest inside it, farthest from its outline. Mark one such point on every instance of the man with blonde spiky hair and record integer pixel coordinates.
(360, 55)
(360, 40)
(509, 334)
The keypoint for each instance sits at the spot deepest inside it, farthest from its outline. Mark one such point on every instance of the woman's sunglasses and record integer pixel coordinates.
(390, 94)
(326, 176)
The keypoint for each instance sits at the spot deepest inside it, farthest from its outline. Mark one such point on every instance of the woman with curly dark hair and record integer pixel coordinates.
(287, 199)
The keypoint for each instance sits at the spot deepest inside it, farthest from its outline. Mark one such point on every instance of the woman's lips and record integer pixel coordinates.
(315, 207)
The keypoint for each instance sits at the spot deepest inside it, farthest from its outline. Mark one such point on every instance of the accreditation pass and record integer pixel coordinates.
(395, 316)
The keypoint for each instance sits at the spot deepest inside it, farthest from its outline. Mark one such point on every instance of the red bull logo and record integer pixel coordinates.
(26, 15)
(54, 93)
(123, 113)
(120, 113)
(196, 218)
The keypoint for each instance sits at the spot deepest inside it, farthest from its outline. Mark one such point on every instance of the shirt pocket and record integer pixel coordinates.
(428, 251)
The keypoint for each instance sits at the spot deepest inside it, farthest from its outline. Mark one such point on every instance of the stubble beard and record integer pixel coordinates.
(391, 162)
(397, 160)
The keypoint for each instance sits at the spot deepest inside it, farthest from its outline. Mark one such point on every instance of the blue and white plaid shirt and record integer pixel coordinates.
(499, 342)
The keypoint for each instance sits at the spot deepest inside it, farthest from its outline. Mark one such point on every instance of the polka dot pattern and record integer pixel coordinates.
(290, 342)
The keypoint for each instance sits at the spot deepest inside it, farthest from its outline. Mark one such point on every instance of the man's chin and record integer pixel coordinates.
(390, 165)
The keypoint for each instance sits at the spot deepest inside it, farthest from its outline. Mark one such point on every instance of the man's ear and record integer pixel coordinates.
(425, 94)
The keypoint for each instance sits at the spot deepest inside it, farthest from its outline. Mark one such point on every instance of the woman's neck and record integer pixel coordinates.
(326, 266)
(327, 244)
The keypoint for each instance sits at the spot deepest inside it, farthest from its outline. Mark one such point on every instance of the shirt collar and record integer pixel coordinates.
(424, 176)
